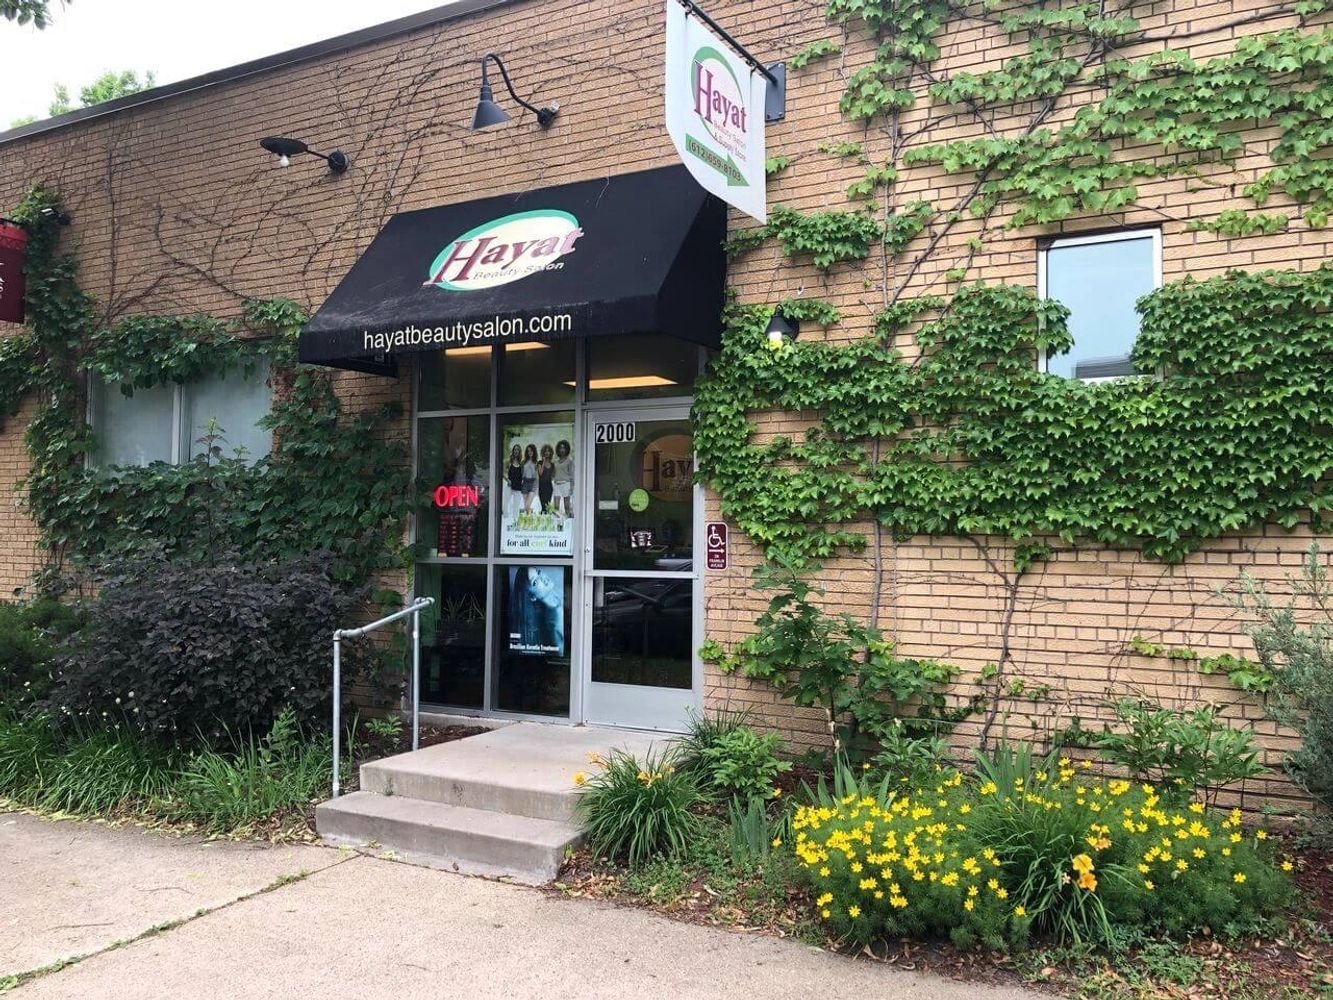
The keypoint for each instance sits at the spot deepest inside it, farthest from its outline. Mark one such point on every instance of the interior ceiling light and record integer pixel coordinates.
(284, 148)
(489, 113)
(628, 382)
(463, 352)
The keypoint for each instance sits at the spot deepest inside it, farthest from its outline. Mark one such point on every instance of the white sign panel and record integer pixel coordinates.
(715, 112)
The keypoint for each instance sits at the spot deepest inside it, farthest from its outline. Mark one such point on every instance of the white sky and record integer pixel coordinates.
(176, 39)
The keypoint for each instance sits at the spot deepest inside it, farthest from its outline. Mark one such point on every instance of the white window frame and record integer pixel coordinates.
(180, 447)
(1153, 233)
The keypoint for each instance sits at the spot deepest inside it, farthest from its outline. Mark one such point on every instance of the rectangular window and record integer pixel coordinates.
(1099, 278)
(168, 423)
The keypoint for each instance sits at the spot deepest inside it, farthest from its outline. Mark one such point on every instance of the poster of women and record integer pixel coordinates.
(537, 610)
(537, 482)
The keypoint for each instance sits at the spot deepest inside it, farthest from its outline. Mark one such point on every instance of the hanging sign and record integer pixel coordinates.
(715, 112)
(13, 243)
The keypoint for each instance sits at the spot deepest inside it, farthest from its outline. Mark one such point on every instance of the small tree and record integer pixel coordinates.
(1295, 641)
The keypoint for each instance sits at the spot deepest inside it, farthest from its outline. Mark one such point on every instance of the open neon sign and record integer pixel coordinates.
(455, 497)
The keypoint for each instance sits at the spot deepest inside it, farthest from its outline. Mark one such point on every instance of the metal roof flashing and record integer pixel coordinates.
(316, 50)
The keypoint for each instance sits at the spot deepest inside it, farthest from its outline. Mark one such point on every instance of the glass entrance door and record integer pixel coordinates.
(641, 612)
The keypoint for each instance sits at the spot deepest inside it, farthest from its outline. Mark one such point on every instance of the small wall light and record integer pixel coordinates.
(284, 149)
(489, 113)
(781, 328)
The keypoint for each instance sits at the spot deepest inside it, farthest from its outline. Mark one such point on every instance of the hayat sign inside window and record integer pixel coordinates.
(715, 112)
(13, 243)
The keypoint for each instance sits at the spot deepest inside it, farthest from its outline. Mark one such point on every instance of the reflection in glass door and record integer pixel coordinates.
(641, 585)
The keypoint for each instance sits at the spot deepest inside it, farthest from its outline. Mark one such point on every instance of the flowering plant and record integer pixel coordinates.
(637, 810)
(1025, 847)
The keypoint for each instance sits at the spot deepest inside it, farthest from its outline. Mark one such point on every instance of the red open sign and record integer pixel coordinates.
(13, 244)
(457, 496)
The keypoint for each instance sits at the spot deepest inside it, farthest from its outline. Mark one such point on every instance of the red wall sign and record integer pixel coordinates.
(715, 544)
(13, 242)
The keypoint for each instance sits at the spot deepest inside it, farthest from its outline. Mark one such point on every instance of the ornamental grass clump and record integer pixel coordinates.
(638, 811)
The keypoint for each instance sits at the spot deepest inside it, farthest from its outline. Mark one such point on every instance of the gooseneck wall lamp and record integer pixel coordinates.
(285, 148)
(489, 113)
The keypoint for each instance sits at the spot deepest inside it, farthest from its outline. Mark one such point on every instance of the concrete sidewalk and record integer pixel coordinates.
(363, 928)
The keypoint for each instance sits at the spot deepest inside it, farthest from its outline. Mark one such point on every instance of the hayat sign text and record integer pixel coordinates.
(715, 112)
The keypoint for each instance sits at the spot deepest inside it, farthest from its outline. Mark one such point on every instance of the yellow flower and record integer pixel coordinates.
(1226, 852)
(825, 899)
(777, 841)
(580, 778)
(1287, 866)
(823, 872)
(777, 793)
(1147, 884)
(1088, 881)
(1260, 834)
(1199, 852)
(1082, 863)
(824, 913)
(643, 776)
(853, 911)
(1238, 877)
(1020, 911)
(968, 905)
(1001, 893)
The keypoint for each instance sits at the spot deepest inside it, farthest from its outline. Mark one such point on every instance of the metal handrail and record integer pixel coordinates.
(414, 609)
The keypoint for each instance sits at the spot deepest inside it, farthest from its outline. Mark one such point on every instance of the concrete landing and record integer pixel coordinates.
(500, 803)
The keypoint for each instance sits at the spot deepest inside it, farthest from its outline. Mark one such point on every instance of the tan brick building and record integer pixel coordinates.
(177, 210)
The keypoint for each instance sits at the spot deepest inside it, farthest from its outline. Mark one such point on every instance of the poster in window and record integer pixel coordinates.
(537, 610)
(538, 481)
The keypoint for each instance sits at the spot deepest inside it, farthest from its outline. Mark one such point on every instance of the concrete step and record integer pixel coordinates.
(458, 838)
(525, 769)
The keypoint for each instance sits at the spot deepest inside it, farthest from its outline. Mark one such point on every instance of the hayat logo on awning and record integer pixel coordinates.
(506, 250)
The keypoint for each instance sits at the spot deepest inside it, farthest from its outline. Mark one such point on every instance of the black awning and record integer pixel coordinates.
(635, 253)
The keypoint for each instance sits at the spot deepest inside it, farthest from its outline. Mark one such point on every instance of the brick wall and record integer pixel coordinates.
(176, 209)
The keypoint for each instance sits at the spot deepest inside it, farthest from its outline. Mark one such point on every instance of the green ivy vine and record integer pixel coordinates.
(973, 439)
(332, 483)
(966, 436)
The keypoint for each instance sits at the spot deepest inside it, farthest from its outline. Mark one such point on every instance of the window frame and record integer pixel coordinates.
(180, 447)
(1044, 247)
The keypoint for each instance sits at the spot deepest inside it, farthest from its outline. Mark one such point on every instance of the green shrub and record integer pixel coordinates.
(636, 811)
(834, 662)
(911, 750)
(757, 826)
(743, 763)
(1295, 643)
(284, 770)
(28, 634)
(180, 650)
(705, 730)
(1181, 751)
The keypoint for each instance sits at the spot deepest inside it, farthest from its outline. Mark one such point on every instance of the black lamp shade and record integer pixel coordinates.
(781, 326)
(488, 113)
(280, 145)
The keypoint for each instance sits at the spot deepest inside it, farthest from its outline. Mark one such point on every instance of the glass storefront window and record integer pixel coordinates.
(453, 635)
(537, 469)
(643, 366)
(642, 631)
(644, 506)
(458, 378)
(532, 639)
(537, 374)
(453, 463)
